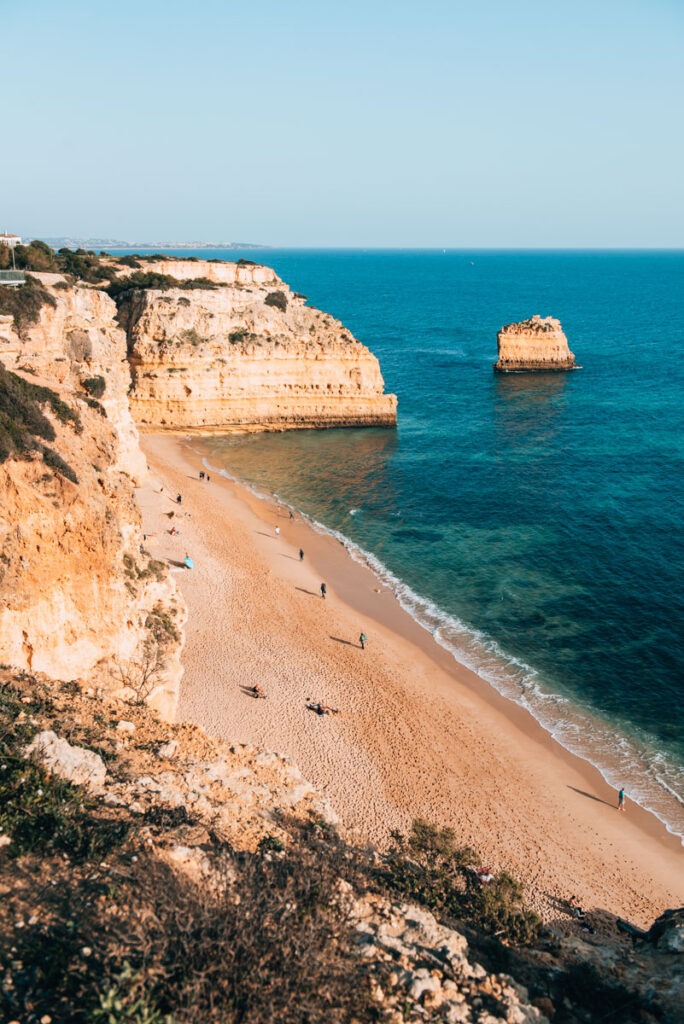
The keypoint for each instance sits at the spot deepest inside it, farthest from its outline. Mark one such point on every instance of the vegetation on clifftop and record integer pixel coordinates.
(161, 282)
(24, 303)
(278, 300)
(23, 425)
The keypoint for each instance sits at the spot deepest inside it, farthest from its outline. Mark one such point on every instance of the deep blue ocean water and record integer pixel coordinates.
(532, 522)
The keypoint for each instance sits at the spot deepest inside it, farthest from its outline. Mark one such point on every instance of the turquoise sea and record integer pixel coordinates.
(533, 523)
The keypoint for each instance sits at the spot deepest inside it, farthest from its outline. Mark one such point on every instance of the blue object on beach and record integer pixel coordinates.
(189, 564)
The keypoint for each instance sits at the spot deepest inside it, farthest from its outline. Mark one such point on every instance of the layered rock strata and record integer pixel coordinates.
(246, 355)
(534, 344)
(79, 595)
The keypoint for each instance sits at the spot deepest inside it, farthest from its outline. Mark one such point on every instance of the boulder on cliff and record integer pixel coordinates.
(667, 931)
(536, 344)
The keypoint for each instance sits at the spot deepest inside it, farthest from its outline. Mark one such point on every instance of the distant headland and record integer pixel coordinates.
(114, 243)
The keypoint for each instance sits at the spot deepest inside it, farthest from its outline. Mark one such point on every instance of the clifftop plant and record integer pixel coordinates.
(277, 299)
(23, 425)
(24, 303)
(428, 866)
(161, 282)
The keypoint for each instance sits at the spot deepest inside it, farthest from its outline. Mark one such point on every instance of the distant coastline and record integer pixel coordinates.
(113, 243)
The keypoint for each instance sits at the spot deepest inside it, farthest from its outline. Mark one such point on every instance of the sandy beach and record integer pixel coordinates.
(417, 734)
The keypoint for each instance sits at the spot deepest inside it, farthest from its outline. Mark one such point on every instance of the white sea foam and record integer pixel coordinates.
(651, 781)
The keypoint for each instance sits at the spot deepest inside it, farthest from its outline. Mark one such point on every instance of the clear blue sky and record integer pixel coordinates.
(479, 123)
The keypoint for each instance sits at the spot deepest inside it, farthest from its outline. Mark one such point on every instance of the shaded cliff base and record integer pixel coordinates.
(417, 734)
(150, 874)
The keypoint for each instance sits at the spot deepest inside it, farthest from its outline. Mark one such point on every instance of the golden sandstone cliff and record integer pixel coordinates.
(79, 597)
(247, 354)
(534, 344)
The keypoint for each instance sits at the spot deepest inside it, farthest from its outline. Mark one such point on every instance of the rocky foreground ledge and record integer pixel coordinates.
(536, 344)
(152, 874)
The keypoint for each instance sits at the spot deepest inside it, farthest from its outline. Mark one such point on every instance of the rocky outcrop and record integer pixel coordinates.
(537, 344)
(191, 798)
(77, 339)
(75, 764)
(246, 355)
(79, 595)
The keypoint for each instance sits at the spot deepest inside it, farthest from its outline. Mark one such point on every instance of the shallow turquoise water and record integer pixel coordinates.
(533, 523)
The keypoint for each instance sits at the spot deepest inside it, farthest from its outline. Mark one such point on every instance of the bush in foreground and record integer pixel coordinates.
(429, 867)
(151, 947)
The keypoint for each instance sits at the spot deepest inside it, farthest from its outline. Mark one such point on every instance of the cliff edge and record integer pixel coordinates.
(536, 344)
(238, 350)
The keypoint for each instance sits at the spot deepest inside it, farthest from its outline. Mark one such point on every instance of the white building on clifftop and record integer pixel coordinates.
(9, 240)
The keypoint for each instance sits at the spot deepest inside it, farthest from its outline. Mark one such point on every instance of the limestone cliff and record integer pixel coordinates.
(79, 597)
(534, 344)
(247, 354)
(76, 339)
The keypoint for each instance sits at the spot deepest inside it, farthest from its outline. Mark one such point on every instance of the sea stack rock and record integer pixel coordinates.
(537, 344)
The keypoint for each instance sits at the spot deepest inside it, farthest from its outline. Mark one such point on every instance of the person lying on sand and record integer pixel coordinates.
(321, 709)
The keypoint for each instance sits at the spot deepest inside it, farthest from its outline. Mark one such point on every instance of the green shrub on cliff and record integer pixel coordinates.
(277, 299)
(429, 867)
(23, 423)
(95, 386)
(38, 811)
(161, 282)
(25, 303)
(35, 256)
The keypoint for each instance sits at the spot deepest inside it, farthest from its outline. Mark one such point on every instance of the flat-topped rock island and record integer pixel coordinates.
(536, 344)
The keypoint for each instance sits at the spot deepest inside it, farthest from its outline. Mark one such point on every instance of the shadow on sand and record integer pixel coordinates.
(590, 796)
(309, 592)
(349, 643)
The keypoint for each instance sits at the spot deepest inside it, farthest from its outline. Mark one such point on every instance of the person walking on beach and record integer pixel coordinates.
(277, 531)
(621, 800)
(201, 474)
(179, 499)
(301, 555)
(324, 590)
(291, 514)
(362, 641)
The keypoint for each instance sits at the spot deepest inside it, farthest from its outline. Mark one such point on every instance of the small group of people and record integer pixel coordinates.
(204, 476)
(321, 709)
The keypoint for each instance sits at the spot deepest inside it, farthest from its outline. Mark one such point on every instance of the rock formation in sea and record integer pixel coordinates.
(534, 344)
(245, 354)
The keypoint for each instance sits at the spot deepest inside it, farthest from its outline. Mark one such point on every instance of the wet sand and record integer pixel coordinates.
(418, 735)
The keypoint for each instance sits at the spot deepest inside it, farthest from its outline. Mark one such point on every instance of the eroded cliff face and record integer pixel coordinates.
(77, 339)
(79, 597)
(249, 354)
(534, 344)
